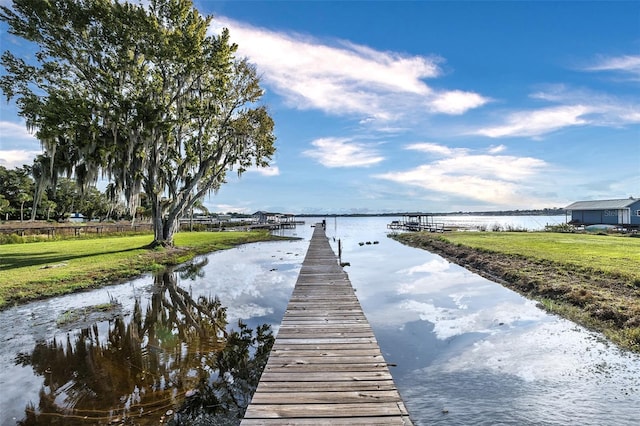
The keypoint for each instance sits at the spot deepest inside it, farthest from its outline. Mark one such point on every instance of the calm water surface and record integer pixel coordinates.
(470, 352)
(467, 350)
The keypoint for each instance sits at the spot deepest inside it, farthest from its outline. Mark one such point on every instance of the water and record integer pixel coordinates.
(466, 350)
(159, 353)
(500, 223)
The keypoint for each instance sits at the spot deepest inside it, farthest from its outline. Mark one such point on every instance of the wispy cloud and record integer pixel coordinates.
(456, 102)
(272, 170)
(497, 149)
(570, 107)
(626, 64)
(17, 145)
(15, 132)
(345, 78)
(343, 152)
(434, 148)
(16, 158)
(538, 122)
(576, 108)
(493, 179)
(226, 208)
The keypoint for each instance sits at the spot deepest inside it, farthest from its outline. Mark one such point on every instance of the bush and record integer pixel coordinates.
(632, 336)
(561, 228)
(515, 228)
(11, 239)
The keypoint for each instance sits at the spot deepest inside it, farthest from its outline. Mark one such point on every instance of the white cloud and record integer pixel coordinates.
(629, 64)
(605, 110)
(457, 102)
(272, 170)
(573, 107)
(497, 179)
(15, 131)
(539, 122)
(226, 208)
(343, 152)
(434, 148)
(17, 145)
(346, 78)
(497, 149)
(13, 158)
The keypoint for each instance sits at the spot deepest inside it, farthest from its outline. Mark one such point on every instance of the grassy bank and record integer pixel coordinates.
(593, 280)
(44, 269)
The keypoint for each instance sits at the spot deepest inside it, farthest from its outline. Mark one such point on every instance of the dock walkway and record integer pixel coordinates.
(325, 366)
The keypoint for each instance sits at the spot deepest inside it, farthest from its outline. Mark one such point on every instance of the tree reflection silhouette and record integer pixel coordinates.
(176, 363)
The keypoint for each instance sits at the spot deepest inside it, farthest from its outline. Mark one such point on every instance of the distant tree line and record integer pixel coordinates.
(23, 197)
(554, 211)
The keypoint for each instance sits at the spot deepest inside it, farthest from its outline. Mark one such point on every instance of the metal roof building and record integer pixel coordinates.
(624, 211)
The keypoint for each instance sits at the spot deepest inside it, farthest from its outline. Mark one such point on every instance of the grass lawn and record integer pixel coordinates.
(43, 269)
(608, 253)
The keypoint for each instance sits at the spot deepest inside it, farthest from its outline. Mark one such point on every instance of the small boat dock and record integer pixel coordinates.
(326, 367)
(417, 222)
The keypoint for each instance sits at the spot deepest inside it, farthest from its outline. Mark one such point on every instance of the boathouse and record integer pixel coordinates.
(262, 218)
(624, 212)
(265, 217)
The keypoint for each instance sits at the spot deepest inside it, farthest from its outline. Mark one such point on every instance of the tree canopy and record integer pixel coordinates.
(142, 95)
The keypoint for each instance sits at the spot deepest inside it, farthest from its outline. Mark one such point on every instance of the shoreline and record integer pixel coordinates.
(39, 280)
(595, 299)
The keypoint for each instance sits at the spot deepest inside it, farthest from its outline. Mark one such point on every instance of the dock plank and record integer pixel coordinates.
(325, 366)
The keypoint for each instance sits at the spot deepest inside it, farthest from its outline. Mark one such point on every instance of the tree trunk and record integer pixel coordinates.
(34, 212)
(163, 226)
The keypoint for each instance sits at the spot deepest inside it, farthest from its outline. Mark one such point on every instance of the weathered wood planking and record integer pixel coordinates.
(325, 367)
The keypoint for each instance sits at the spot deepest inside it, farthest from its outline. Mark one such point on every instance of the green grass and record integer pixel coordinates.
(608, 253)
(44, 269)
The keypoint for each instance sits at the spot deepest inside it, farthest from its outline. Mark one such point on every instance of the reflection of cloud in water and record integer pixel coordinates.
(241, 280)
(435, 276)
(249, 310)
(432, 266)
(576, 353)
(457, 299)
(450, 322)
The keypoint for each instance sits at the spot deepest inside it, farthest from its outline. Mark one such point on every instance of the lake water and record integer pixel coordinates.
(467, 351)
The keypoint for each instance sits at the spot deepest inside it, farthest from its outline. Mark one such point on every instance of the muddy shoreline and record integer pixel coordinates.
(607, 303)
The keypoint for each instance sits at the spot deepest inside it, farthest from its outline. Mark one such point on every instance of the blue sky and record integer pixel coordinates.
(429, 106)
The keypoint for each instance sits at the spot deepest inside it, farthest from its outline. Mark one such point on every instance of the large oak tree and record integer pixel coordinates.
(140, 95)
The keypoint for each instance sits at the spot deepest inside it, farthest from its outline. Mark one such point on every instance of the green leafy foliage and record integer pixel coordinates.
(142, 95)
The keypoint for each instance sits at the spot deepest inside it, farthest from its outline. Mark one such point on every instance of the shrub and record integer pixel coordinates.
(561, 228)
(632, 336)
(11, 239)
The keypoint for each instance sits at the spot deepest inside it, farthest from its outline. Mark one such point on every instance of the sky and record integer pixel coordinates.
(432, 106)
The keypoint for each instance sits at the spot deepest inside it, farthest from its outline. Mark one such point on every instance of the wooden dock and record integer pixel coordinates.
(325, 366)
(417, 222)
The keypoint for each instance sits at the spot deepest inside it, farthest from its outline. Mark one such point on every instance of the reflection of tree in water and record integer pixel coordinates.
(176, 363)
